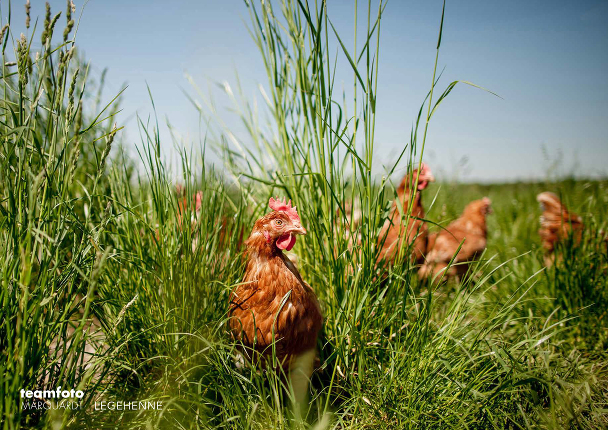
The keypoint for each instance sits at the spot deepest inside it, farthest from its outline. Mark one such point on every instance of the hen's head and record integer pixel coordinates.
(280, 226)
(555, 211)
(424, 178)
(479, 207)
(549, 202)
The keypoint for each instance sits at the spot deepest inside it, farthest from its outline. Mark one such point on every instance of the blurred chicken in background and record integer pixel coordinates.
(556, 224)
(470, 230)
(415, 233)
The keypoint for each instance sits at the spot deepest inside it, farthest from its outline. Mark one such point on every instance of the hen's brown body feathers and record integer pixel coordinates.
(470, 227)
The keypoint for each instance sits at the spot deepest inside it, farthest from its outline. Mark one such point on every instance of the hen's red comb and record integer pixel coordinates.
(284, 206)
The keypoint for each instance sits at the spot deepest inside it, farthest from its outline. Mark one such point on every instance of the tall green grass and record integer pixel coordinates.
(115, 283)
(53, 215)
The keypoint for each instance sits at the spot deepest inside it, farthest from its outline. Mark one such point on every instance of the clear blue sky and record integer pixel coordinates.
(547, 59)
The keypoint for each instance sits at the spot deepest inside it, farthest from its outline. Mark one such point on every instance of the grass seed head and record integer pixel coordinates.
(2, 32)
(47, 23)
(24, 61)
(108, 148)
(51, 27)
(69, 21)
(28, 7)
(70, 109)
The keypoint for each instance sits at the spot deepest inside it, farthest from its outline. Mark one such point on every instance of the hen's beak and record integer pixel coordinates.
(298, 229)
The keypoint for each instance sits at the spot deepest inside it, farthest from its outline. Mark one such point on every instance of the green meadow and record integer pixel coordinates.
(105, 290)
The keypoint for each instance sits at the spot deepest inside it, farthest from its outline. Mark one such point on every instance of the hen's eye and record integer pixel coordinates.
(279, 222)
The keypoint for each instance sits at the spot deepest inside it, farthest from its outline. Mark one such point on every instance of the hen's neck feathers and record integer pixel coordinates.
(261, 254)
(259, 247)
(404, 193)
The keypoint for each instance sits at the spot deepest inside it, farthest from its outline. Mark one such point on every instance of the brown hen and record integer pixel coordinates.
(556, 224)
(273, 303)
(470, 230)
(184, 207)
(193, 208)
(415, 232)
